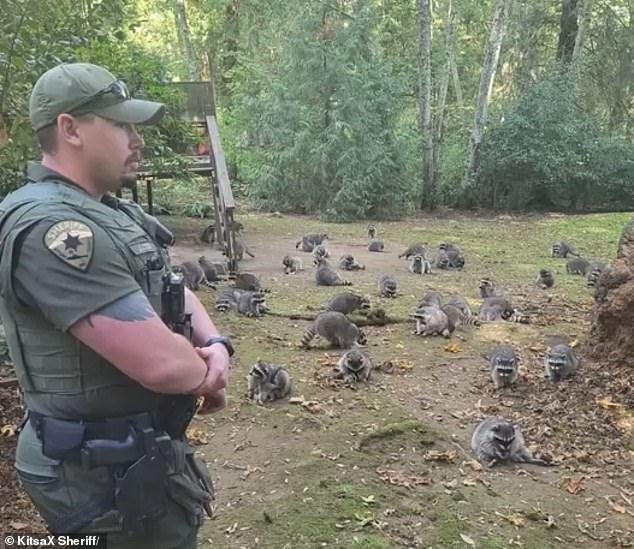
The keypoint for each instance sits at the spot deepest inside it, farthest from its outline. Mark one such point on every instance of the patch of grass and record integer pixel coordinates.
(371, 542)
(408, 430)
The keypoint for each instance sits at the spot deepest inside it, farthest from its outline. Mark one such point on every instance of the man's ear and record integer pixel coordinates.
(68, 130)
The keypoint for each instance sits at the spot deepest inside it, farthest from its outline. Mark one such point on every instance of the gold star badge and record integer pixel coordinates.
(72, 242)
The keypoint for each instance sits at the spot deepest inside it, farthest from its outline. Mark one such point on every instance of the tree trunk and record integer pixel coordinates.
(613, 311)
(567, 31)
(182, 27)
(584, 23)
(442, 92)
(456, 82)
(425, 122)
(489, 67)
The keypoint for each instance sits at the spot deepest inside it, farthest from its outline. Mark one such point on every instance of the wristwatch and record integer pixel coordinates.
(221, 339)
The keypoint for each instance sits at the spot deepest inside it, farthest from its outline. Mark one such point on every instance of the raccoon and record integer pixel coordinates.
(306, 245)
(456, 259)
(560, 362)
(372, 232)
(347, 303)
(420, 265)
(456, 318)
(461, 305)
(495, 308)
(355, 365)
(578, 266)
(454, 256)
(450, 247)
(387, 285)
(228, 300)
(431, 299)
(251, 304)
(487, 289)
(497, 440)
(546, 279)
(237, 226)
(213, 271)
(442, 260)
(376, 246)
(432, 321)
(562, 248)
(268, 382)
(209, 235)
(336, 328)
(594, 273)
(248, 282)
(326, 276)
(194, 275)
(503, 366)
(240, 249)
(347, 262)
(413, 249)
(292, 264)
(320, 251)
(310, 240)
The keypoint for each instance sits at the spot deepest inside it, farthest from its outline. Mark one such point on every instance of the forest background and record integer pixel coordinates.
(355, 109)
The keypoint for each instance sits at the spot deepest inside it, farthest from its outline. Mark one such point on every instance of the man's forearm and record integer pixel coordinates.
(203, 326)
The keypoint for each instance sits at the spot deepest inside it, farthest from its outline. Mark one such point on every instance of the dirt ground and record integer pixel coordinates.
(389, 464)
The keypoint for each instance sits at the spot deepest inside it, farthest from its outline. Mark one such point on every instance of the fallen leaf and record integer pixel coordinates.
(616, 507)
(232, 528)
(7, 430)
(370, 499)
(15, 525)
(607, 403)
(573, 486)
(468, 540)
(515, 520)
(469, 482)
(447, 456)
(452, 348)
(197, 436)
(401, 478)
(364, 521)
(475, 465)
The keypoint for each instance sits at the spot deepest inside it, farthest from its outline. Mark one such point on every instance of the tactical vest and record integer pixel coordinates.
(59, 375)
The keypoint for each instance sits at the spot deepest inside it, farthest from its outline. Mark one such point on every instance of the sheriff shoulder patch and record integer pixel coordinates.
(72, 242)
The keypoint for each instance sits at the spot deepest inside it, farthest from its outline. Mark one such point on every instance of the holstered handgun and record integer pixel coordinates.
(176, 411)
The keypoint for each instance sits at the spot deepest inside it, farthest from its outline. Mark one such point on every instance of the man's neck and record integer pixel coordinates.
(76, 175)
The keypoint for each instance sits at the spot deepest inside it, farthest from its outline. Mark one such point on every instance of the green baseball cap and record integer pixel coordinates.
(80, 88)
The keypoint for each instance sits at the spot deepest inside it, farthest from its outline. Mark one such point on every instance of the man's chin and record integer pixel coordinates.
(128, 180)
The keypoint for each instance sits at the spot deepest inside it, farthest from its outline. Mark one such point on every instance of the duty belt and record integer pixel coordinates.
(95, 443)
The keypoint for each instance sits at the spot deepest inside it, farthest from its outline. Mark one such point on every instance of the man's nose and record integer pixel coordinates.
(136, 141)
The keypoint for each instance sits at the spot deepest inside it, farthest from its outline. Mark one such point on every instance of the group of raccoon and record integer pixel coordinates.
(495, 439)
(269, 382)
(590, 268)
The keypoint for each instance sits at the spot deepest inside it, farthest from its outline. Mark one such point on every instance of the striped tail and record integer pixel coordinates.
(519, 318)
(471, 321)
(309, 334)
(593, 278)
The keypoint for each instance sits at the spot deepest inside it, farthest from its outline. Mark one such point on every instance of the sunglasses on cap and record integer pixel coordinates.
(116, 88)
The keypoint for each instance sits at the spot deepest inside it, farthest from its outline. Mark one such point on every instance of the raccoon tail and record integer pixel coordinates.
(519, 318)
(309, 334)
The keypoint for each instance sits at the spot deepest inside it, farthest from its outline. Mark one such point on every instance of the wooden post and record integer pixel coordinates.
(135, 193)
(150, 200)
(221, 187)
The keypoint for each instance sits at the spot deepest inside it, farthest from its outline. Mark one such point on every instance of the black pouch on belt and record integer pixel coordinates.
(60, 439)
